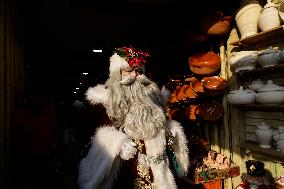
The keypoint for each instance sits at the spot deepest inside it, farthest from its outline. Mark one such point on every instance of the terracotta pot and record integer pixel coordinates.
(196, 86)
(216, 24)
(204, 63)
(210, 111)
(214, 86)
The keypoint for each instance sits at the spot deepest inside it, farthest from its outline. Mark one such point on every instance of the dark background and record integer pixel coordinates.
(60, 36)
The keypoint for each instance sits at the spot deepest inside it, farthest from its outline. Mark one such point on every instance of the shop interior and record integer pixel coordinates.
(54, 50)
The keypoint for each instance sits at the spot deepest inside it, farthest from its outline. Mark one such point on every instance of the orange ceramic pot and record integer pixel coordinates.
(204, 63)
(216, 24)
(214, 86)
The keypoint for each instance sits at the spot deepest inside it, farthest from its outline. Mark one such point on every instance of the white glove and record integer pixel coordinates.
(128, 150)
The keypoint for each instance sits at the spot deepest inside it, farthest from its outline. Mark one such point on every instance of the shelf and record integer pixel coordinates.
(269, 152)
(262, 107)
(277, 70)
(265, 38)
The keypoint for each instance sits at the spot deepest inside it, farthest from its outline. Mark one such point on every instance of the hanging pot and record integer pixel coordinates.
(216, 24)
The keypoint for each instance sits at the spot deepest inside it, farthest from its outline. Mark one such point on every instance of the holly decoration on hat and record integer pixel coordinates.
(134, 57)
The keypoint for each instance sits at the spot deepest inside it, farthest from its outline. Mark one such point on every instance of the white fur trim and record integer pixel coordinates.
(100, 167)
(97, 94)
(165, 94)
(163, 177)
(117, 63)
(180, 145)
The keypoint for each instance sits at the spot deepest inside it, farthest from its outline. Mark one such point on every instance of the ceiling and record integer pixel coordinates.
(60, 34)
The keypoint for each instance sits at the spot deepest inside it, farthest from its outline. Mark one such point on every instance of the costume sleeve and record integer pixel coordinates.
(100, 164)
(180, 145)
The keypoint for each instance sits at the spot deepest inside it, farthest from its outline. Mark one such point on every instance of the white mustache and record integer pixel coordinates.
(127, 80)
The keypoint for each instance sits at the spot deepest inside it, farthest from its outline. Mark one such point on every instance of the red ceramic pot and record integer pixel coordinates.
(204, 63)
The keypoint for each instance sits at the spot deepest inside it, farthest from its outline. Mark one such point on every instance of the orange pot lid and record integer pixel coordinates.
(205, 59)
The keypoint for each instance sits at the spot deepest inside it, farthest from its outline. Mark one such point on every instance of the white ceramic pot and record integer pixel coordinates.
(246, 18)
(241, 96)
(243, 60)
(264, 135)
(269, 17)
(256, 84)
(269, 57)
(270, 94)
(280, 144)
(281, 10)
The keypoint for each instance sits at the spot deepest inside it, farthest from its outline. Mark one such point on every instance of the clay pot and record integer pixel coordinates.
(190, 112)
(196, 86)
(204, 63)
(210, 111)
(214, 86)
(216, 24)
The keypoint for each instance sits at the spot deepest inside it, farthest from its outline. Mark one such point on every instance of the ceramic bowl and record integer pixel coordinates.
(269, 57)
(241, 96)
(204, 63)
(270, 94)
(214, 86)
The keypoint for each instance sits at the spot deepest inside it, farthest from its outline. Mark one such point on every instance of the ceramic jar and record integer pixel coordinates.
(243, 60)
(204, 63)
(246, 18)
(269, 57)
(264, 135)
(241, 96)
(270, 94)
(269, 17)
(256, 84)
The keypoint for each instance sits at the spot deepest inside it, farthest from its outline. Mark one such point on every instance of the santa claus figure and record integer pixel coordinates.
(141, 135)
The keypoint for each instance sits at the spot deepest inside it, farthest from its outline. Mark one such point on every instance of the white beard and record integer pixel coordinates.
(137, 109)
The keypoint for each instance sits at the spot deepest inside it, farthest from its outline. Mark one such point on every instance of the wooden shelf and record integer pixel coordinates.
(261, 39)
(268, 152)
(277, 70)
(261, 107)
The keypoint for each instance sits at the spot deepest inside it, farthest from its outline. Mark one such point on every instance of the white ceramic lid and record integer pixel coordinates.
(263, 126)
(269, 50)
(258, 81)
(270, 86)
(269, 4)
(241, 91)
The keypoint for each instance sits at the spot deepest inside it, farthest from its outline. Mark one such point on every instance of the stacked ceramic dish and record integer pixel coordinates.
(241, 96)
(243, 60)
